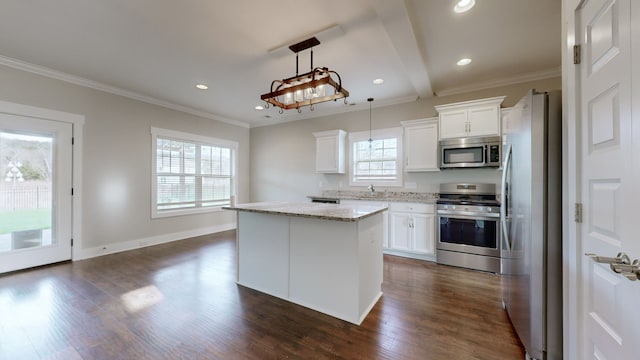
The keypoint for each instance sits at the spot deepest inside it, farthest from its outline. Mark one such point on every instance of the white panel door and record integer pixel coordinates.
(423, 233)
(399, 231)
(453, 124)
(327, 154)
(421, 147)
(609, 178)
(35, 194)
(484, 121)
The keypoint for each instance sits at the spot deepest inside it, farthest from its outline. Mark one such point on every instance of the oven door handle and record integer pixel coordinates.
(467, 215)
(504, 216)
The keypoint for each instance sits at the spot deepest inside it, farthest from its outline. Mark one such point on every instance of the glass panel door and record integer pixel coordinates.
(25, 193)
(35, 192)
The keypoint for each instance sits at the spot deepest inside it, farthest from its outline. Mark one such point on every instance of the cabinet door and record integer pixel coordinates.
(484, 121)
(453, 124)
(399, 236)
(327, 154)
(422, 147)
(423, 233)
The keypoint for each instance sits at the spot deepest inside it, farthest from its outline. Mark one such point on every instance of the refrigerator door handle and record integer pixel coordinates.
(503, 200)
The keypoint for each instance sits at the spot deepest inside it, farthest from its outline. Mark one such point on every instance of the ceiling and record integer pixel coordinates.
(158, 50)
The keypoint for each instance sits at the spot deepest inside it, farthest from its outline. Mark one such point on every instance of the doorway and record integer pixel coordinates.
(36, 182)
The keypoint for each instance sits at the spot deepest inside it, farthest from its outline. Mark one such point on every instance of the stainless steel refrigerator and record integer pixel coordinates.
(531, 222)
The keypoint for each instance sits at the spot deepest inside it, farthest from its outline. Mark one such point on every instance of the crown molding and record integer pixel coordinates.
(76, 80)
(533, 76)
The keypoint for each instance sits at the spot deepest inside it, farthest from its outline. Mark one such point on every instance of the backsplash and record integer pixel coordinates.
(419, 182)
(382, 195)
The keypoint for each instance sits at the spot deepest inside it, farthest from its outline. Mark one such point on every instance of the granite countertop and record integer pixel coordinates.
(395, 196)
(339, 212)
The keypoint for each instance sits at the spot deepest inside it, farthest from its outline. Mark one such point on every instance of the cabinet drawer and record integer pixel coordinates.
(412, 207)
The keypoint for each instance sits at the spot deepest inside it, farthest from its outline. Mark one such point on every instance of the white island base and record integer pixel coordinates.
(334, 267)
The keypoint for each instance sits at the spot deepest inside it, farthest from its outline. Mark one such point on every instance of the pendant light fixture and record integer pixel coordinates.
(316, 86)
(370, 100)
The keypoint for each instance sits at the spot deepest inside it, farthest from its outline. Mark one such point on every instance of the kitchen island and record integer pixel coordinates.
(327, 257)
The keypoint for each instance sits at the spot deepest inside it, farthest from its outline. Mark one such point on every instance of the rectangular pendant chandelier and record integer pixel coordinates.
(316, 86)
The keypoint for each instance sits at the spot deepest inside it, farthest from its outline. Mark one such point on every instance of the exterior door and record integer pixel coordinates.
(608, 176)
(35, 193)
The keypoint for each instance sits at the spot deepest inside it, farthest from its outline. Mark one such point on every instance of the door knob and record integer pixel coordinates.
(620, 264)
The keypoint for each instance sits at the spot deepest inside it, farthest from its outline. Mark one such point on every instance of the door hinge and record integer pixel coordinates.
(577, 54)
(71, 191)
(73, 141)
(577, 214)
(71, 241)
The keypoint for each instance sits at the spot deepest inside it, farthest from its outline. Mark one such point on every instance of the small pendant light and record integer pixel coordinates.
(370, 100)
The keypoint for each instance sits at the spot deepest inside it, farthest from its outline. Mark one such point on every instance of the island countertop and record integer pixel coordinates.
(338, 212)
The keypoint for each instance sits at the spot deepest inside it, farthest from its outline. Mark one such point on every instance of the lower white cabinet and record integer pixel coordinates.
(409, 228)
(412, 229)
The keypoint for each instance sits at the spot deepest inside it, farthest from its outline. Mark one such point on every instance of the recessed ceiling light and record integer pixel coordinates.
(259, 107)
(464, 5)
(463, 62)
(378, 81)
(202, 86)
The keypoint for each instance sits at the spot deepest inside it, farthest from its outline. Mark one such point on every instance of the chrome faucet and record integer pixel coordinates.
(372, 189)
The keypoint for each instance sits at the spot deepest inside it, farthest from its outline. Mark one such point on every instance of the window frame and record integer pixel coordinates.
(378, 134)
(197, 140)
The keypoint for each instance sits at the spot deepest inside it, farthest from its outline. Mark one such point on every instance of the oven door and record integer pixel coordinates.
(473, 234)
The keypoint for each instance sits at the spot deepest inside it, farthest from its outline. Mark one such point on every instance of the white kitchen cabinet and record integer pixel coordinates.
(423, 226)
(421, 145)
(385, 217)
(412, 230)
(470, 118)
(330, 151)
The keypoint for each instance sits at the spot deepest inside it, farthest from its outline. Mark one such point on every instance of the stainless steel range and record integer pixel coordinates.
(469, 230)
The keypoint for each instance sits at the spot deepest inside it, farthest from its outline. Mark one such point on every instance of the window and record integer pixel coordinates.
(378, 161)
(191, 173)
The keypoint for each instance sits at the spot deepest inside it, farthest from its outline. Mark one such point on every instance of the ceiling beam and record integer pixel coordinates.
(394, 16)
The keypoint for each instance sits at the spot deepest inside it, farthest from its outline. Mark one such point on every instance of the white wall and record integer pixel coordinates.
(116, 162)
(283, 155)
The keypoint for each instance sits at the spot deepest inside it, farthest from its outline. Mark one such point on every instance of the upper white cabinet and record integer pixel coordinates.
(421, 145)
(330, 151)
(470, 118)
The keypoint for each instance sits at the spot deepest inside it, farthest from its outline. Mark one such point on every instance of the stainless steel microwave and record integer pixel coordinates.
(470, 152)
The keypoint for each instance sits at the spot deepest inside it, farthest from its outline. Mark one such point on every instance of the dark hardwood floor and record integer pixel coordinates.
(180, 301)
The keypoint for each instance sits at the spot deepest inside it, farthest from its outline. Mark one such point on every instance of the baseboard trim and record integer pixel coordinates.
(148, 241)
